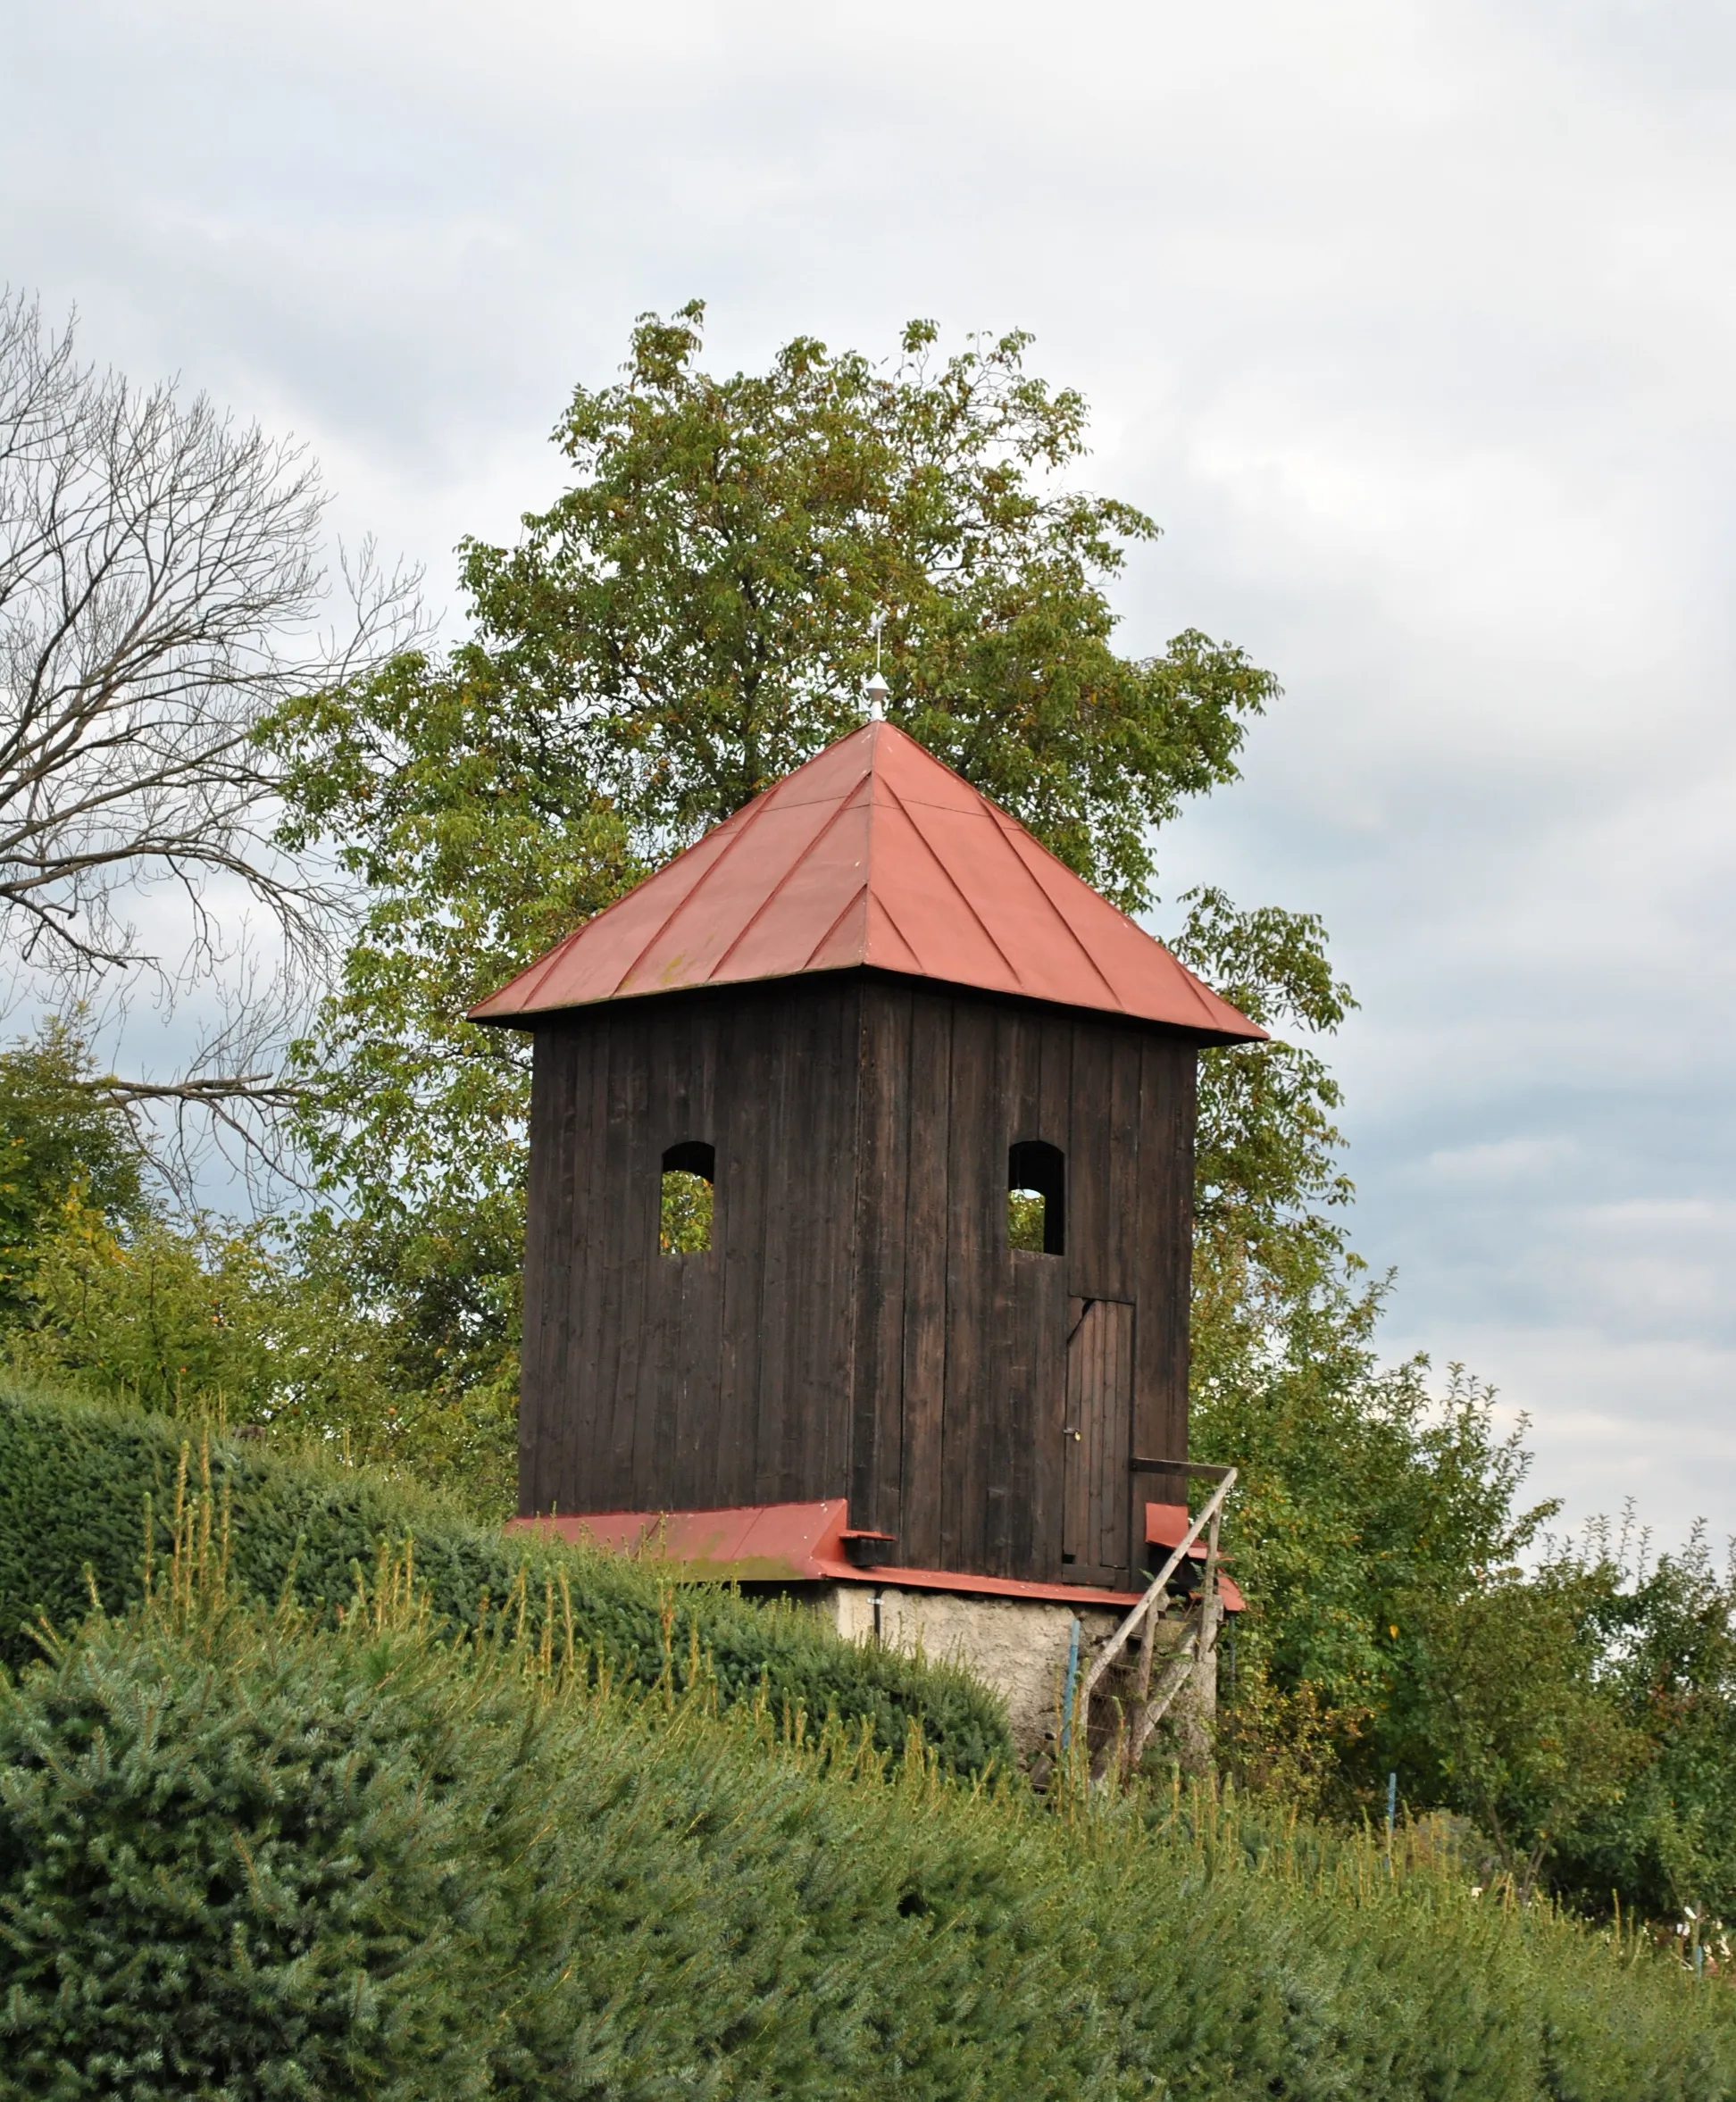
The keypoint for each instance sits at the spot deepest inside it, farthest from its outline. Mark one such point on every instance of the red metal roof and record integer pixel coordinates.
(1166, 1526)
(873, 853)
(780, 1544)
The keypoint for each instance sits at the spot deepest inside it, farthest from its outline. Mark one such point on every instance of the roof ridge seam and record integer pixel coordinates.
(874, 898)
(751, 815)
(1005, 819)
(772, 896)
(958, 891)
(1011, 831)
(850, 903)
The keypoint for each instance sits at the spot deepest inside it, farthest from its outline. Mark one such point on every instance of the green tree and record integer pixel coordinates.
(59, 1142)
(1502, 1711)
(692, 618)
(1365, 1496)
(476, 840)
(698, 612)
(1666, 1634)
(1269, 1193)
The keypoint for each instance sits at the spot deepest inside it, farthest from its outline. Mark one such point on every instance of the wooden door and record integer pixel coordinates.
(1098, 1438)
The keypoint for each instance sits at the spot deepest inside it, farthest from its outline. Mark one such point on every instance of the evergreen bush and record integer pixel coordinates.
(74, 1477)
(247, 1855)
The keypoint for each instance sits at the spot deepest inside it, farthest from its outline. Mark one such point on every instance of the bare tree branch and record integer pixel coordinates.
(161, 590)
(268, 1089)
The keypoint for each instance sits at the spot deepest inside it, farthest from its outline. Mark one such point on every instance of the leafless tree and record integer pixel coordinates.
(160, 591)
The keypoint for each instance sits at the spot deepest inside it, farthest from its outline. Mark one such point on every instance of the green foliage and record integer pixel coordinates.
(1027, 1211)
(1267, 1168)
(569, 1893)
(1360, 1492)
(59, 1143)
(104, 1288)
(1666, 1639)
(685, 1223)
(173, 1320)
(236, 1861)
(697, 610)
(1378, 1524)
(446, 795)
(1499, 1693)
(1406, 1614)
(73, 1478)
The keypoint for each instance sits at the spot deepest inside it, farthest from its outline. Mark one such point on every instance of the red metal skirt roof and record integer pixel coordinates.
(783, 1544)
(806, 1543)
(873, 854)
(1166, 1526)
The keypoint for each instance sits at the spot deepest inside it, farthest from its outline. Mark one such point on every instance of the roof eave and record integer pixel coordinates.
(530, 1018)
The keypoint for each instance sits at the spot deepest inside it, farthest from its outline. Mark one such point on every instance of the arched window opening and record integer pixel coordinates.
(1037, 1197)
(690, 1178)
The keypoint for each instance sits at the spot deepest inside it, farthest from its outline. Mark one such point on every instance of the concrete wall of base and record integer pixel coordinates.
(1019, 1646)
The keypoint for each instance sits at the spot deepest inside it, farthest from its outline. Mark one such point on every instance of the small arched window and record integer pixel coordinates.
(690, 1179)
(1037, 1197)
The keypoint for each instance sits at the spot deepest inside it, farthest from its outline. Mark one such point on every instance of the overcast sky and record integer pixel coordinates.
(1412, 324)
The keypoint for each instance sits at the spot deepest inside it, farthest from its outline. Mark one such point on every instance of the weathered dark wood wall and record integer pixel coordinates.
(961, 1364)
(860, 1325)
(676, 1383)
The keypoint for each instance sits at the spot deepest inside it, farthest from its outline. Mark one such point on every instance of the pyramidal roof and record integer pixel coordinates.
(873, 853)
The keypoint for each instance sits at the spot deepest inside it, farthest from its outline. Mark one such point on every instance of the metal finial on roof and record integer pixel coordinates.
(876, 688)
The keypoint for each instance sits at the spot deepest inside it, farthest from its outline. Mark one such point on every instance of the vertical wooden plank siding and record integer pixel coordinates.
(738, 1211)
(1114, 1446)
(1019, 1331)
(1164, 1244)
(861, 1325)
(582, 1394)
(976, 1179)
(691, 1373)
(923, 1391)
(883, 1182)
(1094, 1239)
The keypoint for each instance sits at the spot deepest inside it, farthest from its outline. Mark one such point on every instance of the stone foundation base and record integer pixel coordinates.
(1018, 1646)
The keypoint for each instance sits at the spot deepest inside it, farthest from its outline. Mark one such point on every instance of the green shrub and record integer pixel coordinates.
(241, 1854)
(74, 1476)
(262, 1865)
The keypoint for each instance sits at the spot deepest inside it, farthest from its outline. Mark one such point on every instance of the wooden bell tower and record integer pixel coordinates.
(942, 1094)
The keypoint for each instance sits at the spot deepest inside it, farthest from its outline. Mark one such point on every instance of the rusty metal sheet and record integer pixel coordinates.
(871, 854)
(783, 1543)
(751, 1543)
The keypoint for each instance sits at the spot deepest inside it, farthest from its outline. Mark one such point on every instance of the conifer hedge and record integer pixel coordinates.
(247, 1855)
(74, 1477)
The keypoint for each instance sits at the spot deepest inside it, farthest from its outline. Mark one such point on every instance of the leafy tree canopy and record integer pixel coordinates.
(698, 612)
(694, 616)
